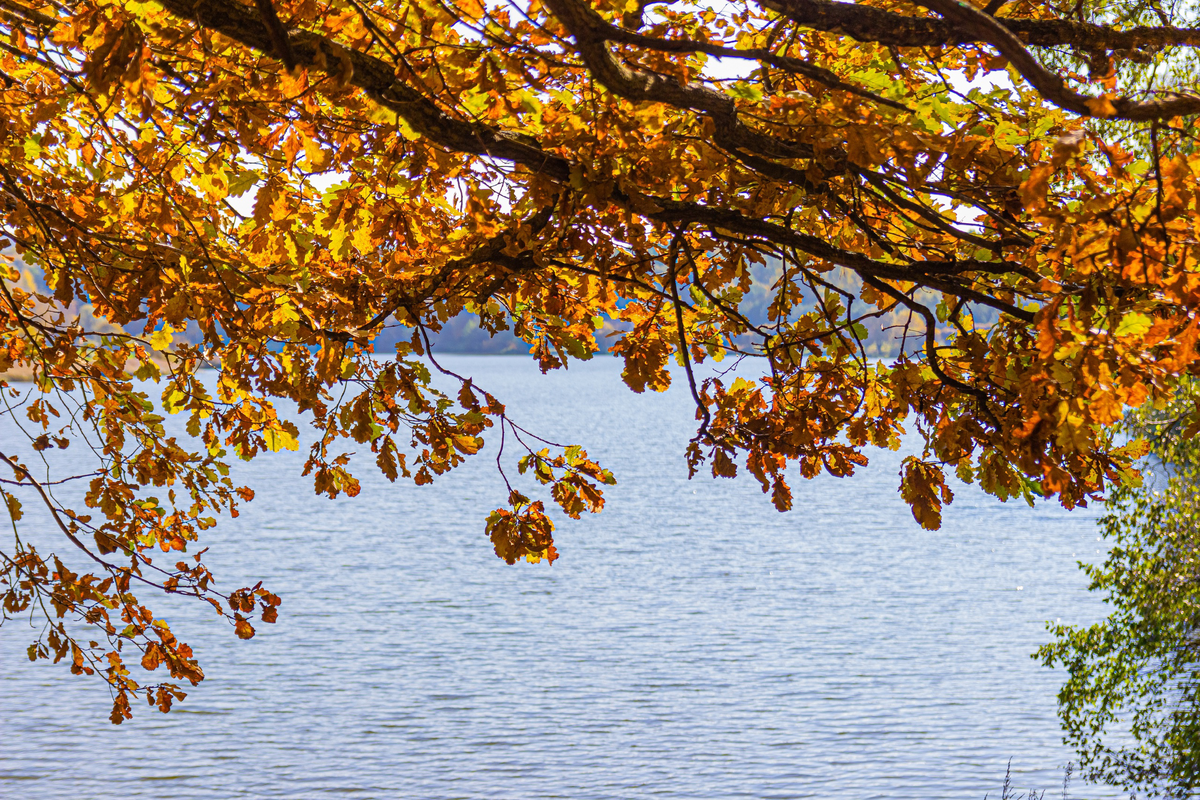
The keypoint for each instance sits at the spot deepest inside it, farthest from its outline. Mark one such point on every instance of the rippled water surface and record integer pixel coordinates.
(691, 642)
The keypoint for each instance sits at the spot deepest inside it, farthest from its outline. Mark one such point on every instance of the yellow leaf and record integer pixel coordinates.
(1101, 107)
(161, 339)
(278, 439)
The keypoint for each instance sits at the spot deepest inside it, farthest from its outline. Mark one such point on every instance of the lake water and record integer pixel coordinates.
(691, 642)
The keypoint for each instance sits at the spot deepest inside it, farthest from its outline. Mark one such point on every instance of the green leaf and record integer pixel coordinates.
(1134, 324)
(243, 182)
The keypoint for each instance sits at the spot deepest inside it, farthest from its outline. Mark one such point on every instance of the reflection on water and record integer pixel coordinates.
(690, 643)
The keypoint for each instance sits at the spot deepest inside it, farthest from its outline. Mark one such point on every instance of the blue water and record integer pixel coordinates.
(691, 642)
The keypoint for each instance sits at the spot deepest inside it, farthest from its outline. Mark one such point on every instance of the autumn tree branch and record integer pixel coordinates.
(870, 24)
(377, 78)
(984, 28)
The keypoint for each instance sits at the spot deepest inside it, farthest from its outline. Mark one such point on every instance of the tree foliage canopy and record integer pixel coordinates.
(1016, 183)
(1131, 702)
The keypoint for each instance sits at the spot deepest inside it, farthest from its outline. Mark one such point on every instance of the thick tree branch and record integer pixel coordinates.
(591, 34)
(984, 28)
(934, 274)
(279, 36)
(376, 77)
(867, 24)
